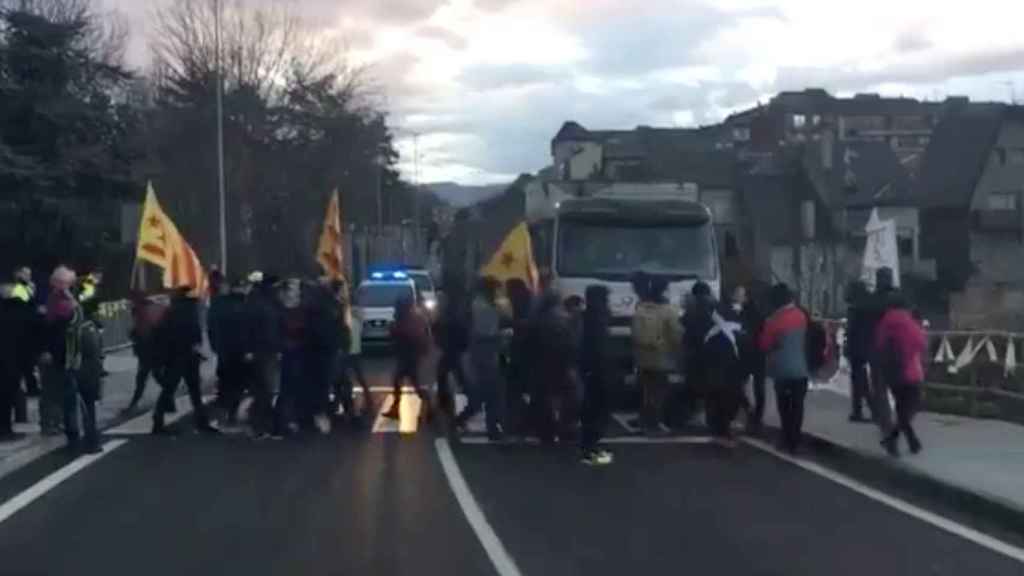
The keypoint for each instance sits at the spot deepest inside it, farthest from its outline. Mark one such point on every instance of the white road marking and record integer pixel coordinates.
(50, 482)
(481, 440)
(623, 419)
(907, 508)
(500, 558)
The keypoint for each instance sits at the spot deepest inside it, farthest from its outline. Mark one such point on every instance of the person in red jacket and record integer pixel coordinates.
(411, 336)
(900, 343)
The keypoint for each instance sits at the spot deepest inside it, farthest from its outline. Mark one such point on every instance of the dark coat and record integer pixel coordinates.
(180, 332)
(229, 328)
(595, 351)
(264, 322)
(12, 318)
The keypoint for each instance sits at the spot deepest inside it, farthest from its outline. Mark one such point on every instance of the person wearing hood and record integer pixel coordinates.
(878, 306)
(656, 337)
(900, 343)
(752, 319)
(784, 341)
(265, 328)
(323, 339)
(86, 381)
(411, 337)
(723, 347)
(179, 339)
(228, 328)
(555, 351)
(595, 370)
(519, 358)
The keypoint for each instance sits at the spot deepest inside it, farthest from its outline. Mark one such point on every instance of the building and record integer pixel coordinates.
(970, 190)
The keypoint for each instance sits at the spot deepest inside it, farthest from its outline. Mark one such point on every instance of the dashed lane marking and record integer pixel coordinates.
(50, 482)
(693, 440)
(907, 508)
(500, 558)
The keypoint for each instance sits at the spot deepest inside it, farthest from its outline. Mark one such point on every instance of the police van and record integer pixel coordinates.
(375, 302)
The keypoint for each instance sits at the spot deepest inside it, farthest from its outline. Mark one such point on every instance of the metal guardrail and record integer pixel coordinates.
(116, 317)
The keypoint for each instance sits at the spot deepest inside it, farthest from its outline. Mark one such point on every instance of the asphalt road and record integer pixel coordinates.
(381, 503)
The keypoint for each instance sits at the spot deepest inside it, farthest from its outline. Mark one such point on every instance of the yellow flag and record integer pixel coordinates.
(514, 259)
(328, 252)
(162, 245)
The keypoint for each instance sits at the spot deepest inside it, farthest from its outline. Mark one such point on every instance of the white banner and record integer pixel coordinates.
(881, 250)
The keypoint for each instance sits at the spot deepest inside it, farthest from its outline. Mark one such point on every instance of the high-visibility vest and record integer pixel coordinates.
(88, 291)
(23, 292)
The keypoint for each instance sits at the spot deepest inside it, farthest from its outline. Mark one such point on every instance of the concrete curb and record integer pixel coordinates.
(985, 510)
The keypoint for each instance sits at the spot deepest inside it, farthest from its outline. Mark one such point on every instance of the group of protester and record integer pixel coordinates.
(537, 363)
(291, 346)
(560, 350)
(59, 334)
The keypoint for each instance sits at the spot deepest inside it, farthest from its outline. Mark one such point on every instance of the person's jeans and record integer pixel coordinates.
(594, 418)
(186, 368)
(860, 391)
(8, 384)
(654, 384)
(288, 395)
(266, 378)
(908, 399)
(77, 401)
(51, 399)
(484, 392)
(789, 397)
(880, 399)
(449, 363)
(756, 416)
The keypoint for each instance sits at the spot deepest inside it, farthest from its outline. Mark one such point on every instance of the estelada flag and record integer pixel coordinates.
(162, 245)
(328, 251)
(514, 259)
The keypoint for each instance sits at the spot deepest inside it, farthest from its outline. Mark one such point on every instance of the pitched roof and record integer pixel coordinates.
(868, 174)
(956, 156)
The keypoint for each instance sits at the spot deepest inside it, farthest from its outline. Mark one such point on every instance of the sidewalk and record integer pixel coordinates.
(981, 457)
(117, 392)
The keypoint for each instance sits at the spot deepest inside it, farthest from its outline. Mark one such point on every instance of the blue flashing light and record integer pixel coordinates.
(395, 275)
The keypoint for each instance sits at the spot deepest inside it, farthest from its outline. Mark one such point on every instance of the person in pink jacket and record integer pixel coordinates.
(900, 343)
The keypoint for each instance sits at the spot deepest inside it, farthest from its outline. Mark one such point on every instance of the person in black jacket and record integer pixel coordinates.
(753, 359)
(696, 324)
(11, 320)
(595, 370)
(859, 337)
(265, 329)
(180, 339)
(724, 371)
(323, 341)
(229, 334)
(452, 336)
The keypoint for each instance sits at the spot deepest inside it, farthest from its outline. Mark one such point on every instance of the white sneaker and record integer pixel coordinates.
(323, 424)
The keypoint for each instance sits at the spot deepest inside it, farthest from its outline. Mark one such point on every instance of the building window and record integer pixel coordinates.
(1000, 154)
(905, 246)
(816, 120)
(1015, 155)
(1002, 201)
(799, 121)
(741, 134)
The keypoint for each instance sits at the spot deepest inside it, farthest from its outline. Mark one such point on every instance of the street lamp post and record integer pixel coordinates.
(220, 142)
(379, 161)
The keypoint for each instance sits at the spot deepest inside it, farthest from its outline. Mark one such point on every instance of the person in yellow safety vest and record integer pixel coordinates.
(23, 288)
(90, 284)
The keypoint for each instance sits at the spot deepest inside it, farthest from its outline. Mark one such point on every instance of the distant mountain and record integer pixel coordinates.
(460, 196)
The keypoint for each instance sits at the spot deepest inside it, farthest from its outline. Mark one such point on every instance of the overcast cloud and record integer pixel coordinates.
(487, 83)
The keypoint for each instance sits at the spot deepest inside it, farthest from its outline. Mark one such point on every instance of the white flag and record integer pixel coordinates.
(881, 250)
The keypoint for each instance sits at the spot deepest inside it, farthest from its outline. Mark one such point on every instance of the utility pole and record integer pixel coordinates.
(416, 185)
(379, 161)
(220, 142)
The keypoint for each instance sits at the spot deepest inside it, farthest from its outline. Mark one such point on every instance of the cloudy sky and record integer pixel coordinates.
(487, 83)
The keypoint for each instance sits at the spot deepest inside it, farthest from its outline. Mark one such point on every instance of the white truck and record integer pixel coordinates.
(606, 238)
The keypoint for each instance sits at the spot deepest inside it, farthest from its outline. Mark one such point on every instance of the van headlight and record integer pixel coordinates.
(430, 304)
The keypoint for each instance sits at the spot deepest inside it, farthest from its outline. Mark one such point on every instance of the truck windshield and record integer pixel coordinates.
(617, 250)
